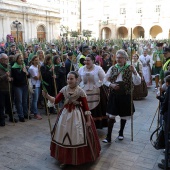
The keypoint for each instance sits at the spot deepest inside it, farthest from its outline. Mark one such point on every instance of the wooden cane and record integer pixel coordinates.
(154, 117)
(28, 94)
(49, 121)
(131, 92)
(11, 104)
(62, 52)
(55, 88)
(158, 118)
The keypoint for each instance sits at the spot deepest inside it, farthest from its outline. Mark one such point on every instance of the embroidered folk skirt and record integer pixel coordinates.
(119, 105)
(72, 141)
(140, 90)
(99, 112)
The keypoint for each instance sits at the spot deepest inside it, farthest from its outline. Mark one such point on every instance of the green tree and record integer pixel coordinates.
(87, 33)
(74, 33)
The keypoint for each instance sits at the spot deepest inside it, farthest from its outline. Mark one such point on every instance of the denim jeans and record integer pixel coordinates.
(35, 95)
(21, 98)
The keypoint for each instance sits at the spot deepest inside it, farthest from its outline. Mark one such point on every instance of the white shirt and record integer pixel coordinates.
(34, 72)
(92, 79)
(135, 78)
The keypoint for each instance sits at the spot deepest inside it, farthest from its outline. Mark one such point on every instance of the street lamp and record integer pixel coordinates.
(17, 23)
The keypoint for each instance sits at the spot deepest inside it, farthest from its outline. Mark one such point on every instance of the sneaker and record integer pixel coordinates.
(38, 117)
(11, 120)
(106, 140)
(120, 137)
(21, 119)
(156, 88)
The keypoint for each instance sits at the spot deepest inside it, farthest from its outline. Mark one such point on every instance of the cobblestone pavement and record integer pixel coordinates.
(25, 146)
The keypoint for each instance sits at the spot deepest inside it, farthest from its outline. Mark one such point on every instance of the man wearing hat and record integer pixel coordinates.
(166, 66)
(158, 61)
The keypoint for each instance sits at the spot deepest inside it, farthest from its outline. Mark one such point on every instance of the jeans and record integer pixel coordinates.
(35, 95)
(5, 105)
(21, 97)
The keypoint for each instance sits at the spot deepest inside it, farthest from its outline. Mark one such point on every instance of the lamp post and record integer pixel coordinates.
(17, 23)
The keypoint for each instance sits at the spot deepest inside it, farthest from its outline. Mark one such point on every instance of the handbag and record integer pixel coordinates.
(159, 143)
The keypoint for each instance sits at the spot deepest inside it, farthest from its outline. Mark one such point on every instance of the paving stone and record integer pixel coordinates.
(26, 146)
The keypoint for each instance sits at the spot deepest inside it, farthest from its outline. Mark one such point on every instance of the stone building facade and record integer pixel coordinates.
(111, 19)
(38, 20)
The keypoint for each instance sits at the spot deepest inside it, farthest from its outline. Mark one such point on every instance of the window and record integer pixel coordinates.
(122, 11)
(139, 10)
(158, 8)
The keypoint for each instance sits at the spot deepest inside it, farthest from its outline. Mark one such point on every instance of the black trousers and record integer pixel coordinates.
(5, 104)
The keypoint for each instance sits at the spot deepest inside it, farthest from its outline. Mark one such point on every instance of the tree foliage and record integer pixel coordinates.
(74, 33)
(87, 33)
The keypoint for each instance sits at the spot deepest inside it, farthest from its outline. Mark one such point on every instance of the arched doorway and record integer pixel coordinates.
(106, 33)
(155, 31)
(122, 32)
(16, 31)
(41, 33)
(139, 32)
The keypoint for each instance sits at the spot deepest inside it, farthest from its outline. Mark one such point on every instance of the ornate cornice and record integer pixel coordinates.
(25, 8)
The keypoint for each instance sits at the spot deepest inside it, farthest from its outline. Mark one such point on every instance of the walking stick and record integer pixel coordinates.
(45, 90)
(131, 92)
(55, 88)
(28, 93)
(62, 51)
(158, 118)
(154, 117)
(11, 104)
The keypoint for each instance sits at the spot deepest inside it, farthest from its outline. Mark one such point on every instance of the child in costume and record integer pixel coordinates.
(74, 137)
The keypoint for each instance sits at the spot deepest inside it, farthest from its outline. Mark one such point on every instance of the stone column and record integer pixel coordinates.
(2, 28)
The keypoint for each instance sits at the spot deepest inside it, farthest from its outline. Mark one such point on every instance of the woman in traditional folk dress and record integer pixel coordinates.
(146, 69)
(74, 137)
(141, 89)
(91, 81)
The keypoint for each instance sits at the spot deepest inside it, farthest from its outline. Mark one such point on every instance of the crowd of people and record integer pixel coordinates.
(85, 85)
